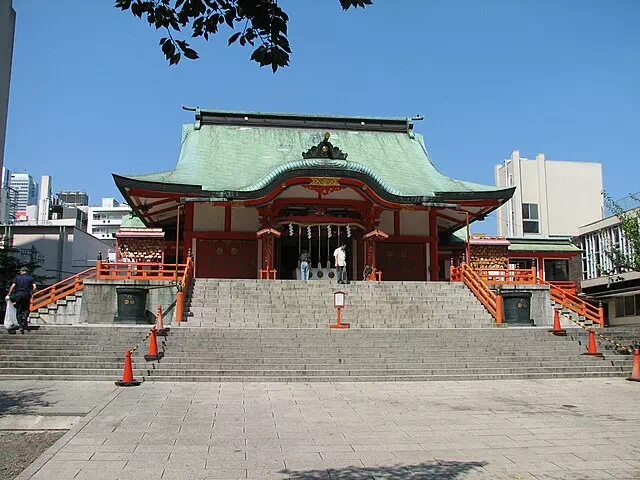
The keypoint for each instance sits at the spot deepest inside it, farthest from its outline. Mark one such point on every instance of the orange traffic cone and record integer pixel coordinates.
(153, 353)
(160, 330)
(557, 329)
(635, 371)
(592, 348)
(127, 373)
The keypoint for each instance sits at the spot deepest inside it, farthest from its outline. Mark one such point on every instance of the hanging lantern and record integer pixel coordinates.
(328, 231)
(291, 229)
(348, 231)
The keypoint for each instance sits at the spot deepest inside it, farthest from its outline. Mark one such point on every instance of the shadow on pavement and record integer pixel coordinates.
(23, 401)
(441, 470)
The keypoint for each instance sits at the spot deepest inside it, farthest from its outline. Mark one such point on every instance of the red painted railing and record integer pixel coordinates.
(183, 287)
(567, 286)
(140, 271)
(115, 271)
(561, 292)
(60, 290)
(507, 276)
(575, 304)
(491, 300)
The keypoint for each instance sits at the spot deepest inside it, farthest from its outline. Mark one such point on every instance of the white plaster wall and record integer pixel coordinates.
(245, 220)
(529, 175)
(414, 223)
(208, 218)
(574, 192)
(386, 222)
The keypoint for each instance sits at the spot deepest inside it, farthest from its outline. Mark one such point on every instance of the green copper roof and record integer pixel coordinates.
(247, 158)
(129, 222)
(542, 244)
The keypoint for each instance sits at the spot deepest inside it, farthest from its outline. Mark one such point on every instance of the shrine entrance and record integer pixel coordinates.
(319, 241)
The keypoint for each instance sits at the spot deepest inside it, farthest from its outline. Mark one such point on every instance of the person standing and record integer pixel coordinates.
(305, 265)
(340, 255)
(20, 293)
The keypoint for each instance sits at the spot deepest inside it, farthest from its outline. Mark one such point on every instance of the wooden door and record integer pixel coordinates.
(401, 261)
(226, 258)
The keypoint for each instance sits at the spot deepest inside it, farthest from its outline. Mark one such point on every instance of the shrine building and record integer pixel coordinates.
(251, 191)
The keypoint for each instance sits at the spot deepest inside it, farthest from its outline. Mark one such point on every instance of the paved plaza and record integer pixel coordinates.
(543, 429)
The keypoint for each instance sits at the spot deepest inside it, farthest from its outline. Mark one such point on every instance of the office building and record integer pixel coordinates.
(552, 197)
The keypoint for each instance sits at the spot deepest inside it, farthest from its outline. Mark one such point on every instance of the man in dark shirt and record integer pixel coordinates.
(305, 265)
(22, 288)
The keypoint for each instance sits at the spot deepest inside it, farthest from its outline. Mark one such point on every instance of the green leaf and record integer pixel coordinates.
(234, 37)
(190, 53)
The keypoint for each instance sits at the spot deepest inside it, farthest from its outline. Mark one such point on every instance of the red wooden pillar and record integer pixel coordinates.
(188, 229)
(434, 266)
(370, 251)
(267, 262)
(227, 217)
(396, 223)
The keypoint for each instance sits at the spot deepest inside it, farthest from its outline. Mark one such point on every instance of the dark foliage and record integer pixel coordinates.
(262, 24)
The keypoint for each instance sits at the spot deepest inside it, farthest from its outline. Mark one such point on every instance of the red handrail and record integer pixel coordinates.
(507, 276)
(60, 290)
(491, 301)
(560, 292)
(139, 271)
(575, 304)
(183, 286)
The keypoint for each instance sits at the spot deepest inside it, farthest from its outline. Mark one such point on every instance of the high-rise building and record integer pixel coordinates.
(27, 189)
(44, 201)
(7, 29)
(104, 221)
(8, 198)
(73, 199)
(552, 197)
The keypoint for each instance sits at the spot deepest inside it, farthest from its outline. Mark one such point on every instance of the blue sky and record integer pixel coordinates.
(92, 94)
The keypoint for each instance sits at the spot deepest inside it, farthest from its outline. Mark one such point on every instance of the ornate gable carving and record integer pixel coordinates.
(325, 149)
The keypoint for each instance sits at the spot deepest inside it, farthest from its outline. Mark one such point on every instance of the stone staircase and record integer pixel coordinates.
(566, 312)
(65, 311)
(298, 354)
(296, 304)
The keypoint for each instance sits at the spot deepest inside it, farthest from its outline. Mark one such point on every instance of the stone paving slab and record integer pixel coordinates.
(542, 429)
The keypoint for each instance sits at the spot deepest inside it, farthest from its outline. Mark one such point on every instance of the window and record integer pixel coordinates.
(523, 263)
(556, 270)
(628, 306)
(530, 219)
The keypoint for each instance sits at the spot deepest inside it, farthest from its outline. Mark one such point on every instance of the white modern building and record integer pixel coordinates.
(8, 198)
(553, 197)
(104, 221)
(618, 290)
(28, 191)
(7, 30)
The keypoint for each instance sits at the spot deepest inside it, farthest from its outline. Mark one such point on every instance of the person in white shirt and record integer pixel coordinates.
(340, 256)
